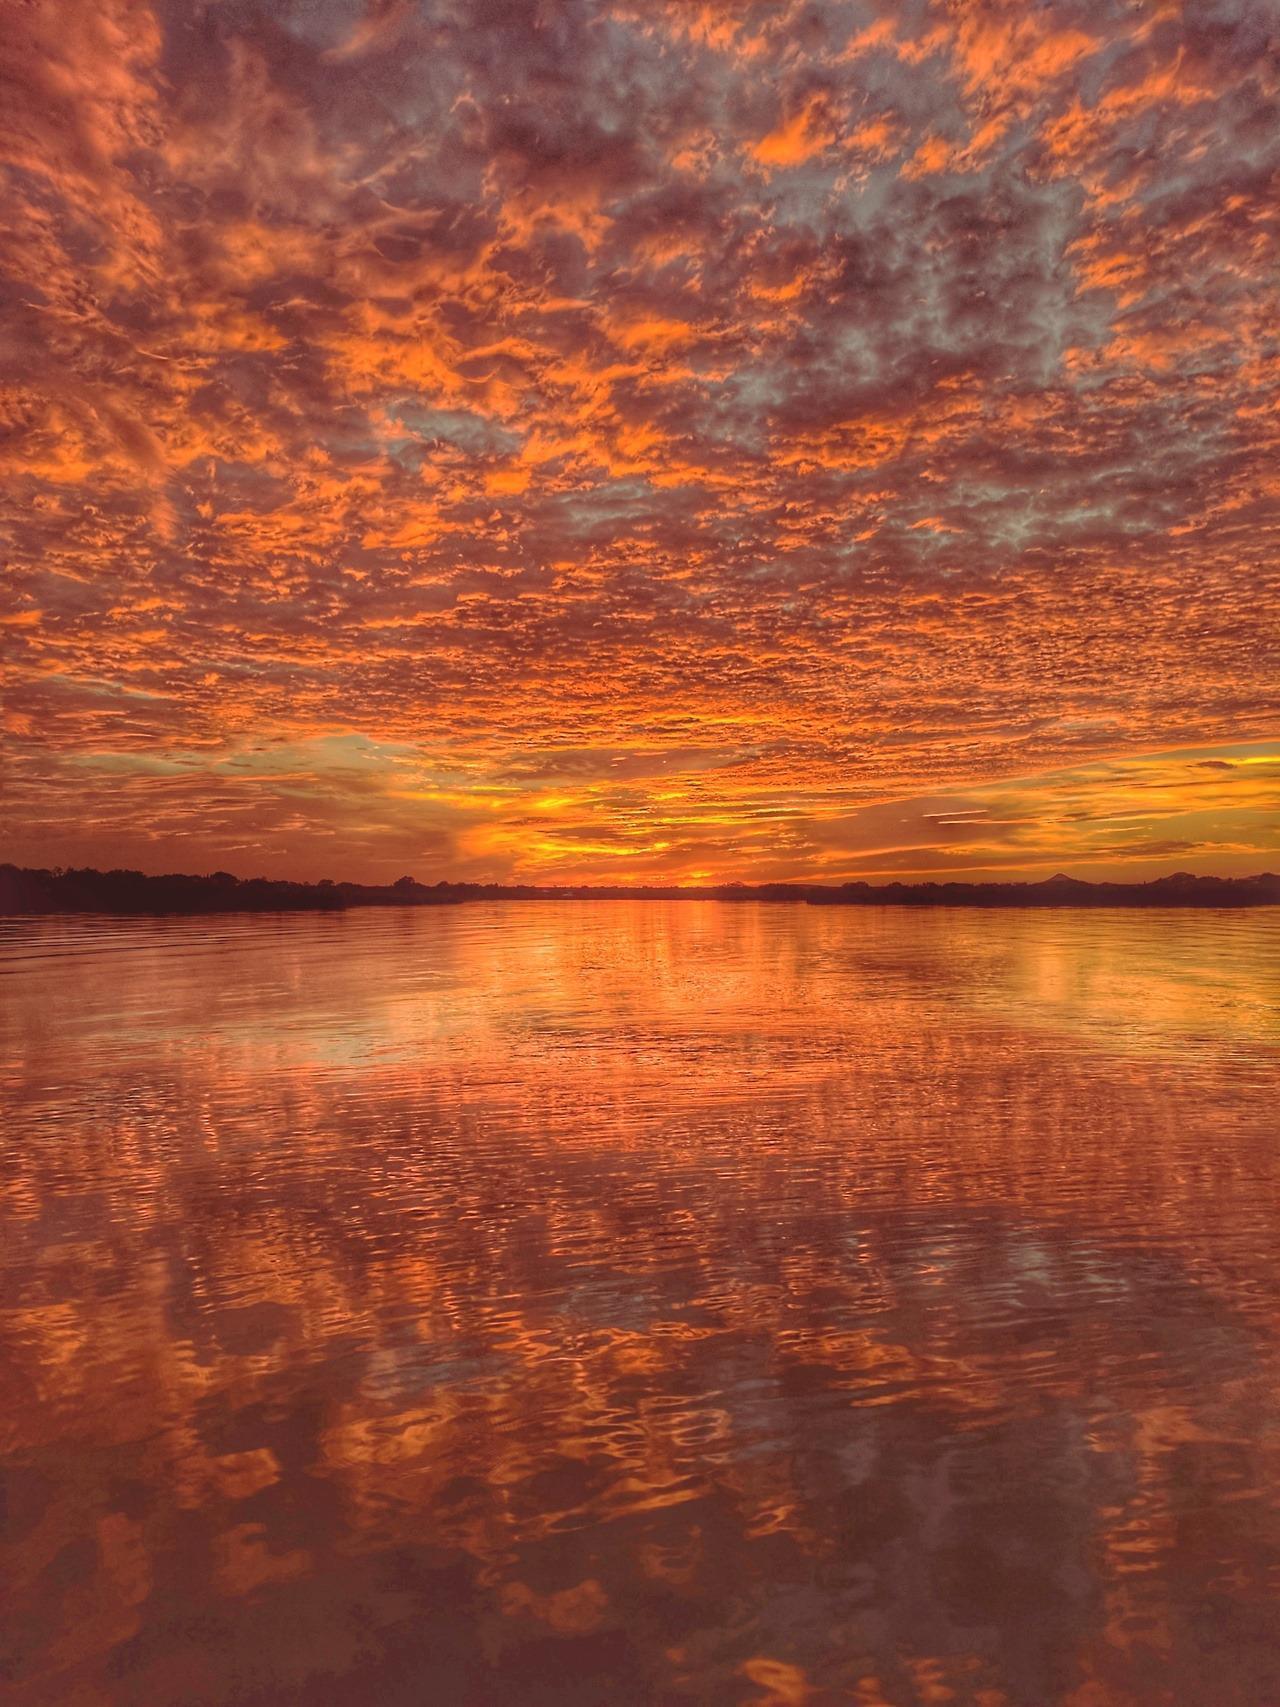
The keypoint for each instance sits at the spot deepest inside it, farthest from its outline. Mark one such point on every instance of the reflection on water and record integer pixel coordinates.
(641, 1303)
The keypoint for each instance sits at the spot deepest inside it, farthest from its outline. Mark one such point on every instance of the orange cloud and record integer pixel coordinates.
(428, 446)
(797, 139)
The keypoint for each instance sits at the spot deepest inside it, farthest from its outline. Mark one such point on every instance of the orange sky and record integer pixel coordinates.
(588, 441)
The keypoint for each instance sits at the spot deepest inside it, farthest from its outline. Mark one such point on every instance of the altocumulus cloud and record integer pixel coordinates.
(541, 437)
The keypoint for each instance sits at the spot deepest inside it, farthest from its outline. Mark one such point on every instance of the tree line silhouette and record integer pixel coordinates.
(25, 890)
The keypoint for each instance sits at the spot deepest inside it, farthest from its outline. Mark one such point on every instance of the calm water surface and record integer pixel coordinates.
(641, 1302)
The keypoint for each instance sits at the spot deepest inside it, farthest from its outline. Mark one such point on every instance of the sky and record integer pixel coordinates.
(558, 440)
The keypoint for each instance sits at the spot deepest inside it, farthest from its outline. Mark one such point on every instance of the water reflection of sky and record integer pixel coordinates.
(539, 981)
(634, 1303)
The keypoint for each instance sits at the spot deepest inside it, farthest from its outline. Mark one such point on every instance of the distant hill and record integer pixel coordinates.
(25, 891)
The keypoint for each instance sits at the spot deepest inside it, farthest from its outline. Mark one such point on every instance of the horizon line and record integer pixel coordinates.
(34, 890)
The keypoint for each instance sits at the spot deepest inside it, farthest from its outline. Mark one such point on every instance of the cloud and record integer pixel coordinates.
(759, 414)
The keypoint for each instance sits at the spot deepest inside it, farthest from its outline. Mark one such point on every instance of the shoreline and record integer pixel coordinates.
(27, 892)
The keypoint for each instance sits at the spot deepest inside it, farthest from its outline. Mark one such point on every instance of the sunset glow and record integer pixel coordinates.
(612, 442)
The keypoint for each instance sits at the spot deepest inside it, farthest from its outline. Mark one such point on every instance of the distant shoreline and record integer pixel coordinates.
(27, 891)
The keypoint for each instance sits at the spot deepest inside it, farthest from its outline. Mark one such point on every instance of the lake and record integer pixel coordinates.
(634, 1302)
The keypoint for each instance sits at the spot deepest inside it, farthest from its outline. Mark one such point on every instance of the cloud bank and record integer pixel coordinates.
(593, 441)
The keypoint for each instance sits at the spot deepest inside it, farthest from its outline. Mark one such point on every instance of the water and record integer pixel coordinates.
(641, 1302)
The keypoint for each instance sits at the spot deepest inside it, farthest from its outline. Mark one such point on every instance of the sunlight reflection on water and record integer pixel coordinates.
(641, 1302)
